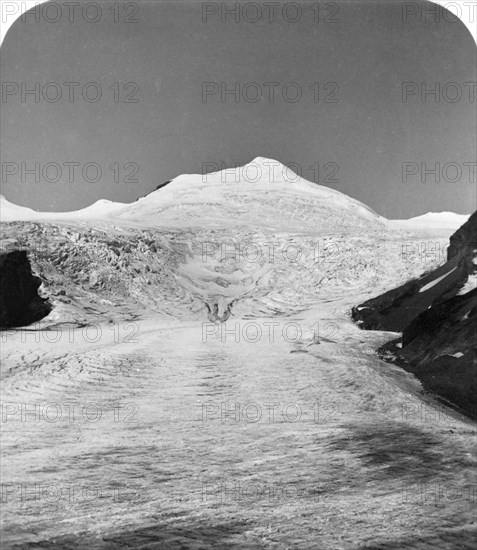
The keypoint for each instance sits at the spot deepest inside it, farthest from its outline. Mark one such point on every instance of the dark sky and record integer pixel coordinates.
(170, 52)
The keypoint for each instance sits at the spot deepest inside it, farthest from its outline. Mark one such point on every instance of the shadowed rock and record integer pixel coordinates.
(464, 240)
(396, 309)
(20, 303)
(438, 325)
(440, 348)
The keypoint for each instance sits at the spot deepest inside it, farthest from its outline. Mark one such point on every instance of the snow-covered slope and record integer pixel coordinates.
(446, 222)
(131, 298)
(441, 219)
(10, 212)
(263, 193)
(258, 238)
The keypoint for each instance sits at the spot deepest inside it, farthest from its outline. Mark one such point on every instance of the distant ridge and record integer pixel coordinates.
(262, 193)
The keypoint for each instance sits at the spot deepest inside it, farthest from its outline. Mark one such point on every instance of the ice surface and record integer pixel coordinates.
(139, 291)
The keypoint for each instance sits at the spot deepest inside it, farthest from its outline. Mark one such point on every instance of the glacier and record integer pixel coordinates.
(199, 381)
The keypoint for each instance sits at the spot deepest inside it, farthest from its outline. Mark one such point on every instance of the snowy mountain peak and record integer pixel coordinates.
(271, 170)
(259, 171)
(266, 163)
(263, 160)
(102, 208)
(264, 194)
(432, 221)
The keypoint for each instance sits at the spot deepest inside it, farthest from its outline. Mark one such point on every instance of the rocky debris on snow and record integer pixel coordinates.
(20, 303)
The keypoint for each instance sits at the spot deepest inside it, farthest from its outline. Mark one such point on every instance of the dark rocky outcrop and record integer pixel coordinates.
(453, 323)
(20, 304)
(452, 378)
(438, 324)
(395, 309)
(440, 348)
(160, 186)
(464, 241)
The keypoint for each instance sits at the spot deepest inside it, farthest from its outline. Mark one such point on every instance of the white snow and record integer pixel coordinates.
(259, 193)
(176, 363)
(10, 212)
(438, 280)
(438, 223)
(262, 193)
(437, 219)
(471, 284)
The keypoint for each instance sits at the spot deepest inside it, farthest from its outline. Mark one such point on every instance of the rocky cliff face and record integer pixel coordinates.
(397, 308)
(437, 315)
(20, 303)
(440, 348)
(464, 241)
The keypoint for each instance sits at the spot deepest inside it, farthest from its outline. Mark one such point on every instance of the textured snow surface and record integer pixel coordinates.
(279, 428)
(263, 192)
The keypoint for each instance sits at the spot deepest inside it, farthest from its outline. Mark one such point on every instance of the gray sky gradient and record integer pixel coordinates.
(170, 52)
